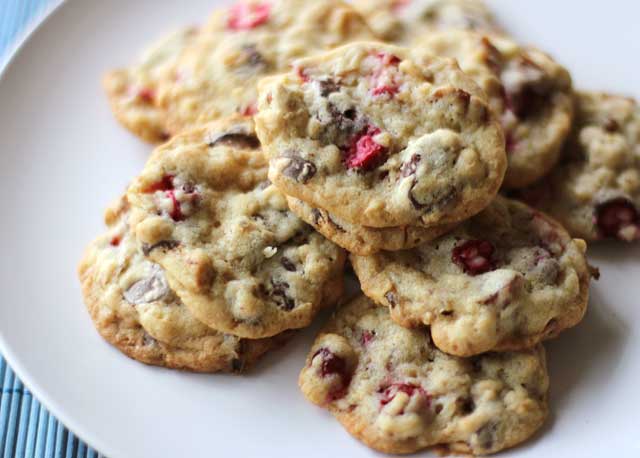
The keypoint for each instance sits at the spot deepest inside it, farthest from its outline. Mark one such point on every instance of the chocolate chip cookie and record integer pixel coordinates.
(528, 91)
(403, 21)
(133, 91)
(364, 240)
(241, 262)
(595, 191)
(382, 136)
(503, 280)
(218, 75)
(133, 308)
(391, 388)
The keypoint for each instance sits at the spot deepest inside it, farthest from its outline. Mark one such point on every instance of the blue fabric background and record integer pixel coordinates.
(26, 428)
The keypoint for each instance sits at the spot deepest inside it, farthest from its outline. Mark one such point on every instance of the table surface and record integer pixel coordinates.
(26, 427)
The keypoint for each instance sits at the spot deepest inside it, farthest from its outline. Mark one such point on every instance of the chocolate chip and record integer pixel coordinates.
(164, 245)
(237, 365)
(279, 294)
(486, 435)
(327, 87)
(391, 298)
(299, 169)
(288, 264)
(611, 125)
(252, 56)
(238, 135)
(440, 200)
(465, 405)
(409, 168)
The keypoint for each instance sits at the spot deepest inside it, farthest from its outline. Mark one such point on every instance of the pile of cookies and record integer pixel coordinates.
(413, 139)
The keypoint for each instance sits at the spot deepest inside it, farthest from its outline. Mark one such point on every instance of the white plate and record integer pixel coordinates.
(64, 157)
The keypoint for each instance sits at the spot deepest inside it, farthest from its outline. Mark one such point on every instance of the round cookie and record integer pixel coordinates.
(595, 191)
(239, 45)
(382, 136)
(240, 261)
(402, 21)
(364, 240)
(529, 92)
(132, 92)
(506, 279)
(134, 309)
(391, 388)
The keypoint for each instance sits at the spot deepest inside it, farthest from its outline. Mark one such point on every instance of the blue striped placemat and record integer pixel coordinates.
(27, 429)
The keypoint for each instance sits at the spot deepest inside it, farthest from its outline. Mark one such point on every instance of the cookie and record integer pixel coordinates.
(218, 75)
(529, 92)
(595, 191)
(404, 21)
(382, 136)
(391, 388)
(132, 92)
(233, 252)
(133, 308)
(506, 279)
(363, 240)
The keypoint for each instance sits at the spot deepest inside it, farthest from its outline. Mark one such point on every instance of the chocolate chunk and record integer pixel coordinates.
(279, 294)
(288, 264)
(253, 57)
(486, 435)
(164, 245)
(327, 87)
(149, 289)
(438, 201)
(299, 169)
(240, 136)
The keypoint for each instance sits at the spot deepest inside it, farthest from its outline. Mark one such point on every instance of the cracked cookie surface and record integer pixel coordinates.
(382, 136)
(217, 75)
(506, 279)
(238, 258)
(595, 190)
(391, 388)
(530, 93)
(134, 309)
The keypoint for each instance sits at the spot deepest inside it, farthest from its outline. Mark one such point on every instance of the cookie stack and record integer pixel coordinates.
(402, 135)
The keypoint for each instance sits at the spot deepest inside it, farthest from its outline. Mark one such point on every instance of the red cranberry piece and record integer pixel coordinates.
(147, 95)
(385, 89)
(367, 337)
(115, 240)
(334, 365)
(364, 152)
(380, 78)
(165, 184)
(176, 211)
(302, 75)
(388, 59)
(246, 16)
(474, 256)
(249, 110)
(398, 5)
(390, 392)
(615, 217)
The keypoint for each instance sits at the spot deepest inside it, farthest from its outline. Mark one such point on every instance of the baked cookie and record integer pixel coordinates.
(391, 388)
(403, 21)
(528, 91)
(382, 136)
(133, 308)
(506, 279)
(132, 92)
(218, 75)
(364, 240)
(595, 191)
(240, 261)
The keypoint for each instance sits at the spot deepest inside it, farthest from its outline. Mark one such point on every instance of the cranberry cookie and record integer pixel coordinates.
(503, 280)
(403, 21)
(595, 192)
(132, 91)
(134, 309)
(218, 75)
(528, 91)
(240, 261)
(382, 136)
(391, 388)
(364, 240)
